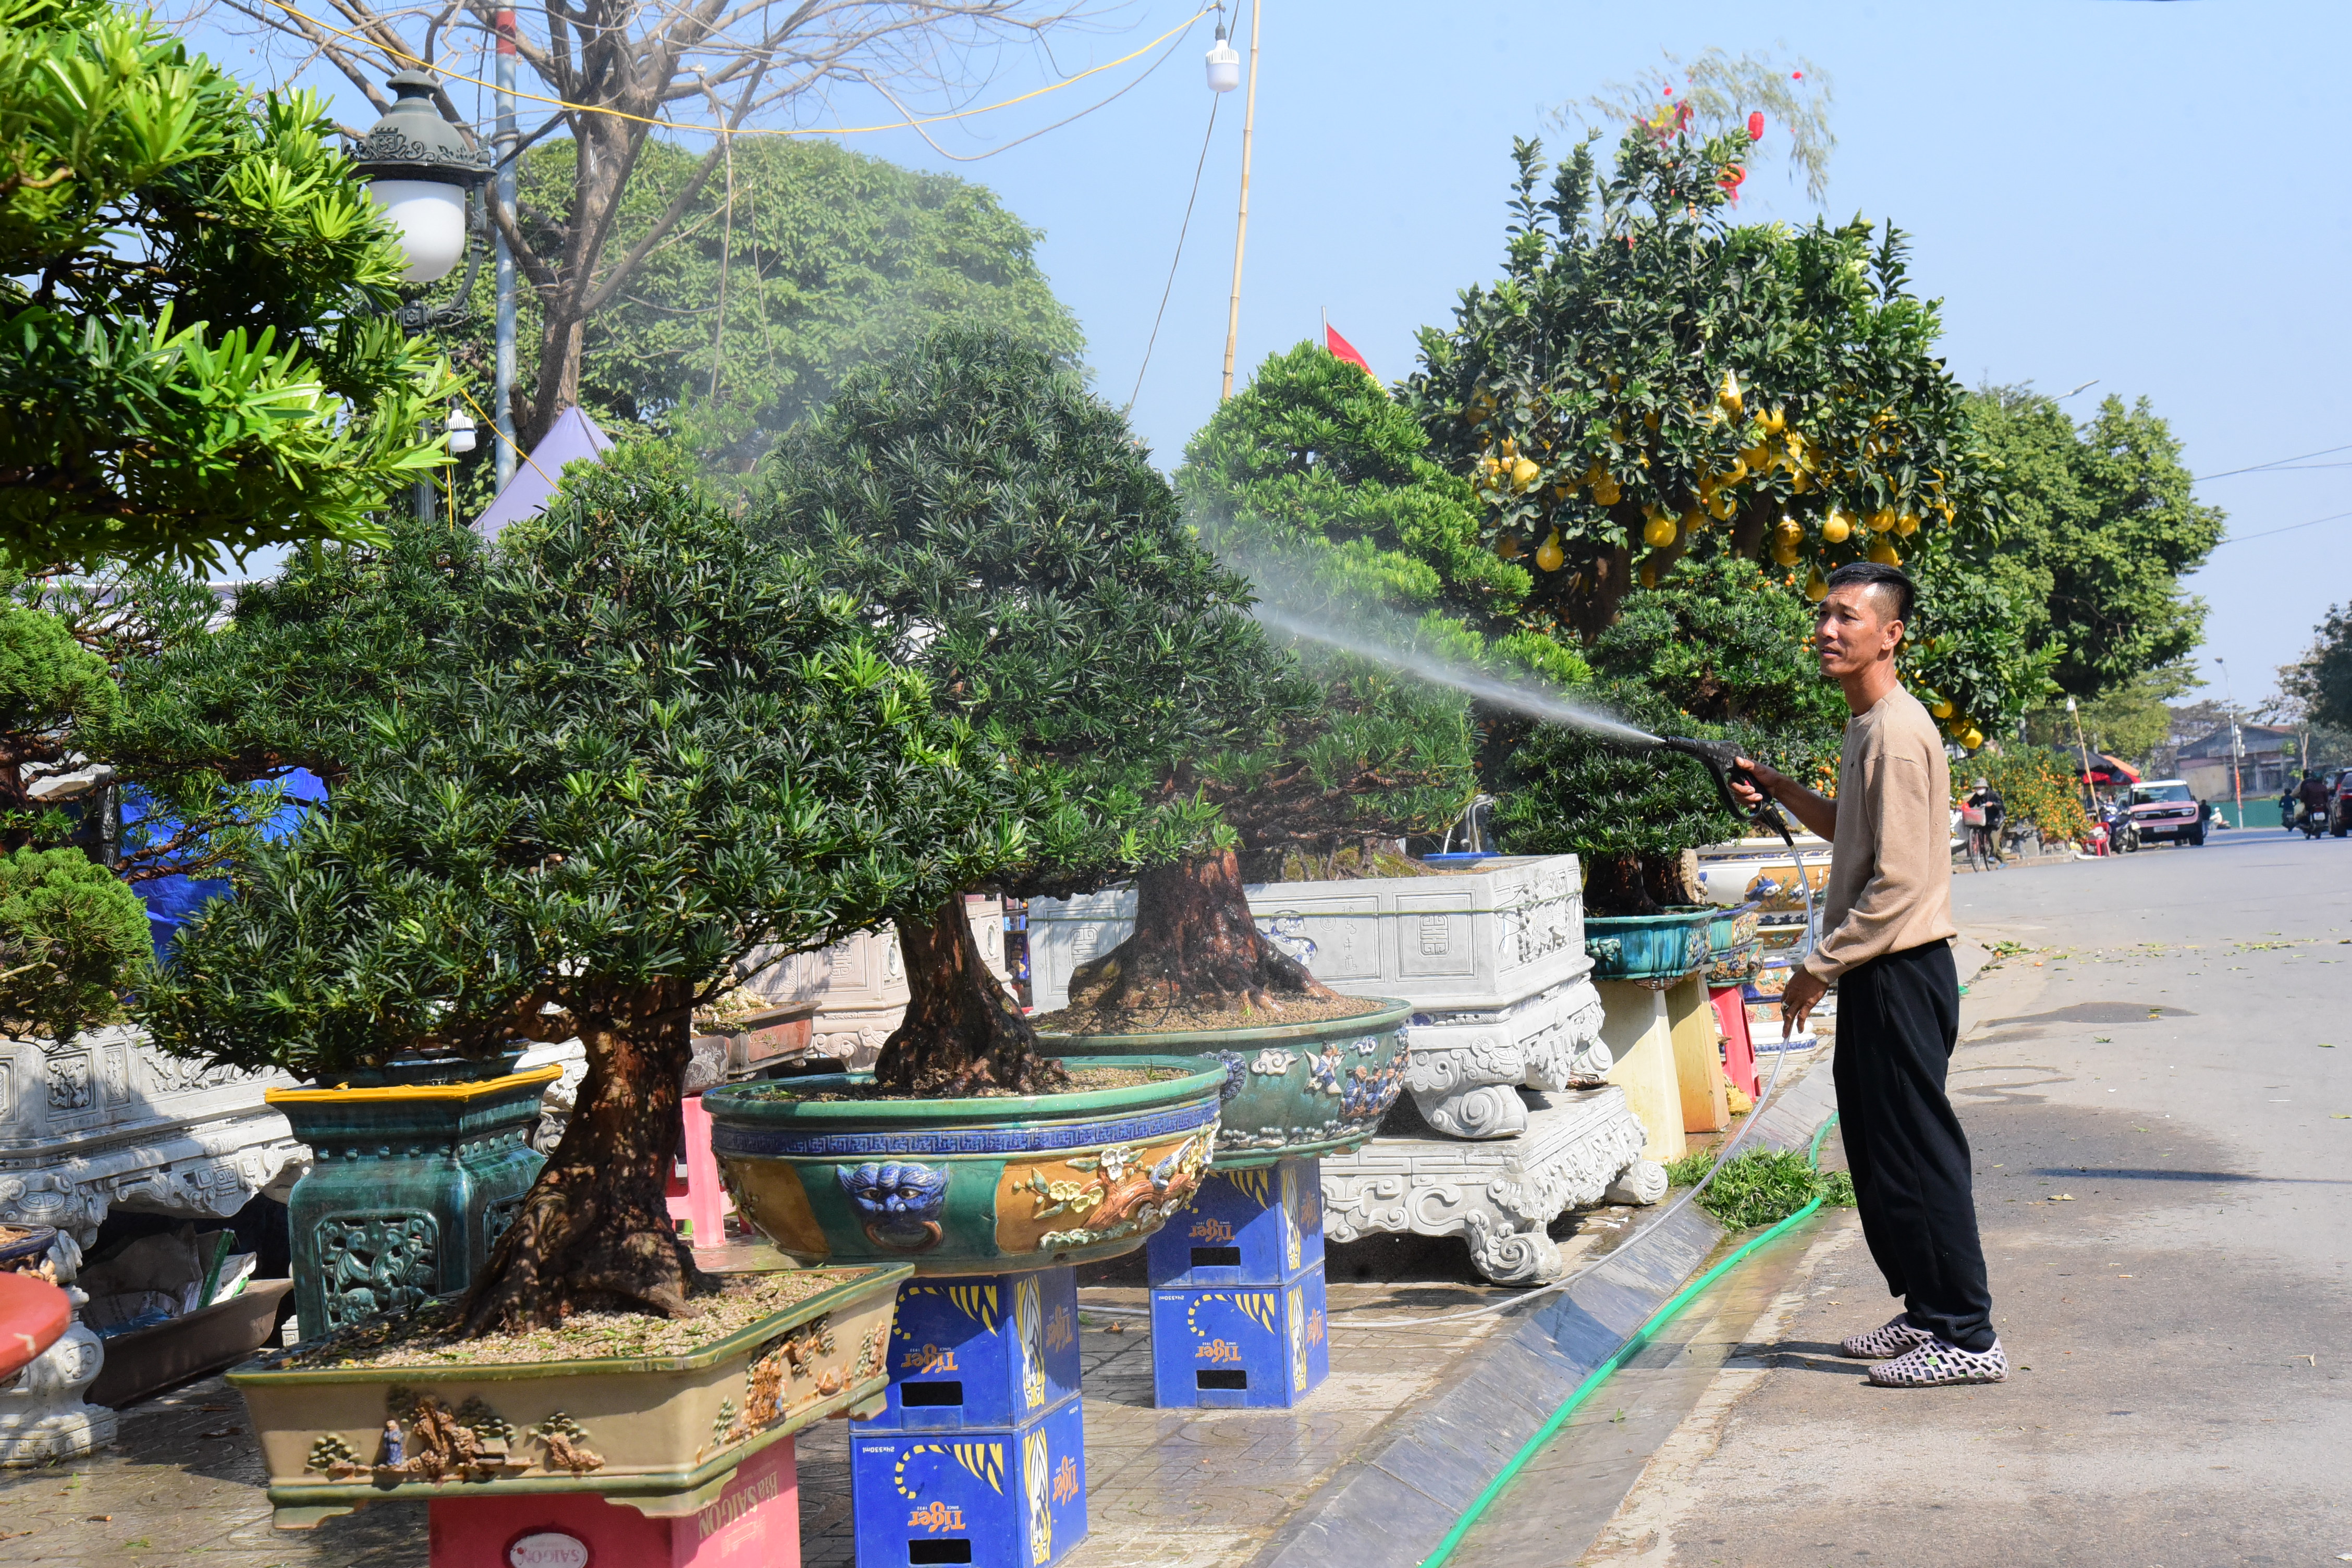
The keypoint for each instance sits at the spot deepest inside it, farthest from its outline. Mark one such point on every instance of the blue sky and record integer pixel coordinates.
(2142, 193)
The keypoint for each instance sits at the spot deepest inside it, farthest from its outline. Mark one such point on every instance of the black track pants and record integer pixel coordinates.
(1898, 1019)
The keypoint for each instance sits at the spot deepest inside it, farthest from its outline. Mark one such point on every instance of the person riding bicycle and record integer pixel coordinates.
(1985, 804)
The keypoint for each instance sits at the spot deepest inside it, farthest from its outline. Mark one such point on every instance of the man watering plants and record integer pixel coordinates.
(1887, 946)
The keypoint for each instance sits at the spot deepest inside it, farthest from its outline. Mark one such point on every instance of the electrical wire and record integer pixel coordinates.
(2275, 464)
(915, 123)
(1183, 229)
(2290, 528)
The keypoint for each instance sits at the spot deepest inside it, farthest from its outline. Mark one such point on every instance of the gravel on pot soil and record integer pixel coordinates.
(1083, 1081)
(1194, 1017)
(428, 1337)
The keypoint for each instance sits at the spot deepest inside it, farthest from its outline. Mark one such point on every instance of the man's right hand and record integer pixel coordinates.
(1768, 783)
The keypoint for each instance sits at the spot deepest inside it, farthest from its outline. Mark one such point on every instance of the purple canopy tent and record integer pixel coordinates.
(574, 438)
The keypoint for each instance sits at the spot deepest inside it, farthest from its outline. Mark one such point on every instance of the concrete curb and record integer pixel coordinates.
(1389, 1506)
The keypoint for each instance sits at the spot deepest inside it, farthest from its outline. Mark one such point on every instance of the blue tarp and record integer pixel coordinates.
(172, 900)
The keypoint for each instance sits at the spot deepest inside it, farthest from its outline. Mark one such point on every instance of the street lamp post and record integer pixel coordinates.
(2237, 743)
(420, 171)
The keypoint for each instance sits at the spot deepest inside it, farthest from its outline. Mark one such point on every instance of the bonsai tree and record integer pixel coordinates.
(1719, 651)
(195, 355)
(1013, 540)
(647, 748)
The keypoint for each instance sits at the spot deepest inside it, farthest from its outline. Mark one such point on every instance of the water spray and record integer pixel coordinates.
(1720, 758)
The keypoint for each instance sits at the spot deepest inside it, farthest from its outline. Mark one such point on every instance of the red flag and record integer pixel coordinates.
(1341, 349)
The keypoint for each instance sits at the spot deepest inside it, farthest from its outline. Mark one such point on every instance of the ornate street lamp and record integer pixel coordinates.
(420, 171)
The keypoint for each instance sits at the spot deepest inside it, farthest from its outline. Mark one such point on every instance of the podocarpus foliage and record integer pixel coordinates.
(647, 748)
(1651, 382)
(1718, 651)
(192, 355)
(1013, 540)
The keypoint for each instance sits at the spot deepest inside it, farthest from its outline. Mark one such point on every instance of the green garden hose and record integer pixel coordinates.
(1625, 1353)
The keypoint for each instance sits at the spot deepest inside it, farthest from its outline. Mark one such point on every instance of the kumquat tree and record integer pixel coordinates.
(1651, 382)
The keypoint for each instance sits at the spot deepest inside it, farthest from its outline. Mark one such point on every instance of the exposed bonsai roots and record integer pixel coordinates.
(961, 1034)
(594, 1229)
(1196, 945)
(1614, 885)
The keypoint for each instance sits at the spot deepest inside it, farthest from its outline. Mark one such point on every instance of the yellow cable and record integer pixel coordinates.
(493, 425)
(752, 130)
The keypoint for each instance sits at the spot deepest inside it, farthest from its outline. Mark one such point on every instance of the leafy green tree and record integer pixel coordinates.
(1013, 540)
(2320, 684)
(2103, 525)
(1720, 651)
(647, 749)
(1650, 382)
(745, 319)
(72, 934)
(194, 357)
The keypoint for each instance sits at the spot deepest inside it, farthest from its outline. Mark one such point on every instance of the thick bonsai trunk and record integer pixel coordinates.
(1196, 945)
(1674, 878)
(1613, 885)
(961, 1034)
(594, 1229)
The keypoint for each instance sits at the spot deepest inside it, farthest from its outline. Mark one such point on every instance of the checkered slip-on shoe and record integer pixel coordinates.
(1933, 1363)
(1886, 1343)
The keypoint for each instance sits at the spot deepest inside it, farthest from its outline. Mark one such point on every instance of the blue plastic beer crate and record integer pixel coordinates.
(1258, 1226)
(990, 1350)
(1246, 1345)
(992, 1498)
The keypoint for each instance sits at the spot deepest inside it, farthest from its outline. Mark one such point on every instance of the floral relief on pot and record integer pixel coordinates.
(1084, 1199)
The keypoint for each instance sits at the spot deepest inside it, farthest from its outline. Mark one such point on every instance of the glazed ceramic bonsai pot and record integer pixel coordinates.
(1660, 947)
(410, 1186)
(1296, 1090)
(662, 1434)
(1733, 947)
(988, 1185)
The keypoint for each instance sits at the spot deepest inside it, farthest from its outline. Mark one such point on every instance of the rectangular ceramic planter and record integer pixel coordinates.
(661, 1434)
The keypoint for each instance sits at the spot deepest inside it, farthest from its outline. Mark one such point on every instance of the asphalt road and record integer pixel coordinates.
(2159, 1096)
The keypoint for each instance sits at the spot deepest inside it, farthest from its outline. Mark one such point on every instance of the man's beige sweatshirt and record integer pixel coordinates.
(1891, 864)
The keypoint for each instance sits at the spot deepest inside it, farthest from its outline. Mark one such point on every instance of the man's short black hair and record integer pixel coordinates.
(1871, 574)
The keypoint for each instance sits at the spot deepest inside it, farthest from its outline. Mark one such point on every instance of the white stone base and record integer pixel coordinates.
(30, 1439)
(1500, 1196)
(1469, 1061)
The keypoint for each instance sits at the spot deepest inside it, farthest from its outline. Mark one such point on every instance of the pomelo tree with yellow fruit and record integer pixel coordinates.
(1651, 382)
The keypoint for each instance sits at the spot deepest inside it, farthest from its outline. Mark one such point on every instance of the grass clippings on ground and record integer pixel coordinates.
(1763, 1186)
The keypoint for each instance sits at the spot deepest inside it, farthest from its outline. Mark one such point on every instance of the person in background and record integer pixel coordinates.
(1887, 947)
(1984, 833)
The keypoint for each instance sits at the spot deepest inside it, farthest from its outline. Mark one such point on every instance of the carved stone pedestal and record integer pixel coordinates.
(106, 1121)
(43, 1418)
(1501, 1197)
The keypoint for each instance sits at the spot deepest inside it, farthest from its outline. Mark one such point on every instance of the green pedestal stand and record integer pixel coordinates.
(408, 1188)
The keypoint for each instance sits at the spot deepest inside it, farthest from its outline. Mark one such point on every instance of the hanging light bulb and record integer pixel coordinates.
(1224, 64)
(461, 432)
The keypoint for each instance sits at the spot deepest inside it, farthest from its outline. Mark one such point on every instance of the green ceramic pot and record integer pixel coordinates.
(409, 1187)
(1296, 1090)
(966, 1187)
(1664, 946)
(664, 1433)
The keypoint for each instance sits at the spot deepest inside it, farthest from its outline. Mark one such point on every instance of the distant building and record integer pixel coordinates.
(2273, 755)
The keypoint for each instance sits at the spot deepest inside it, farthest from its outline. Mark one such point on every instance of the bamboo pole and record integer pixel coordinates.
(1241, 229)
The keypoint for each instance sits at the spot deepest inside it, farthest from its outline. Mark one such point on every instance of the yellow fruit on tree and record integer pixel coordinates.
(1907, 524)
(1524, 473)
(1774, 420)
(1723, 507)
(1836, 527)
(1799, 481)
(1941, 708)
(1605, 490)
(1784, 551)
(1817, 587)
(1549, 555)
(1694, 519)
(1659, 532)
(1650, 420)
(1883, 554)
(1729, 396)
(1758, 458)
(1973, 739)
(1649, 574)
(1882, 520)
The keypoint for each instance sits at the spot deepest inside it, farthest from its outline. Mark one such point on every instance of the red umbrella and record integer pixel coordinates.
(2111, 771)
